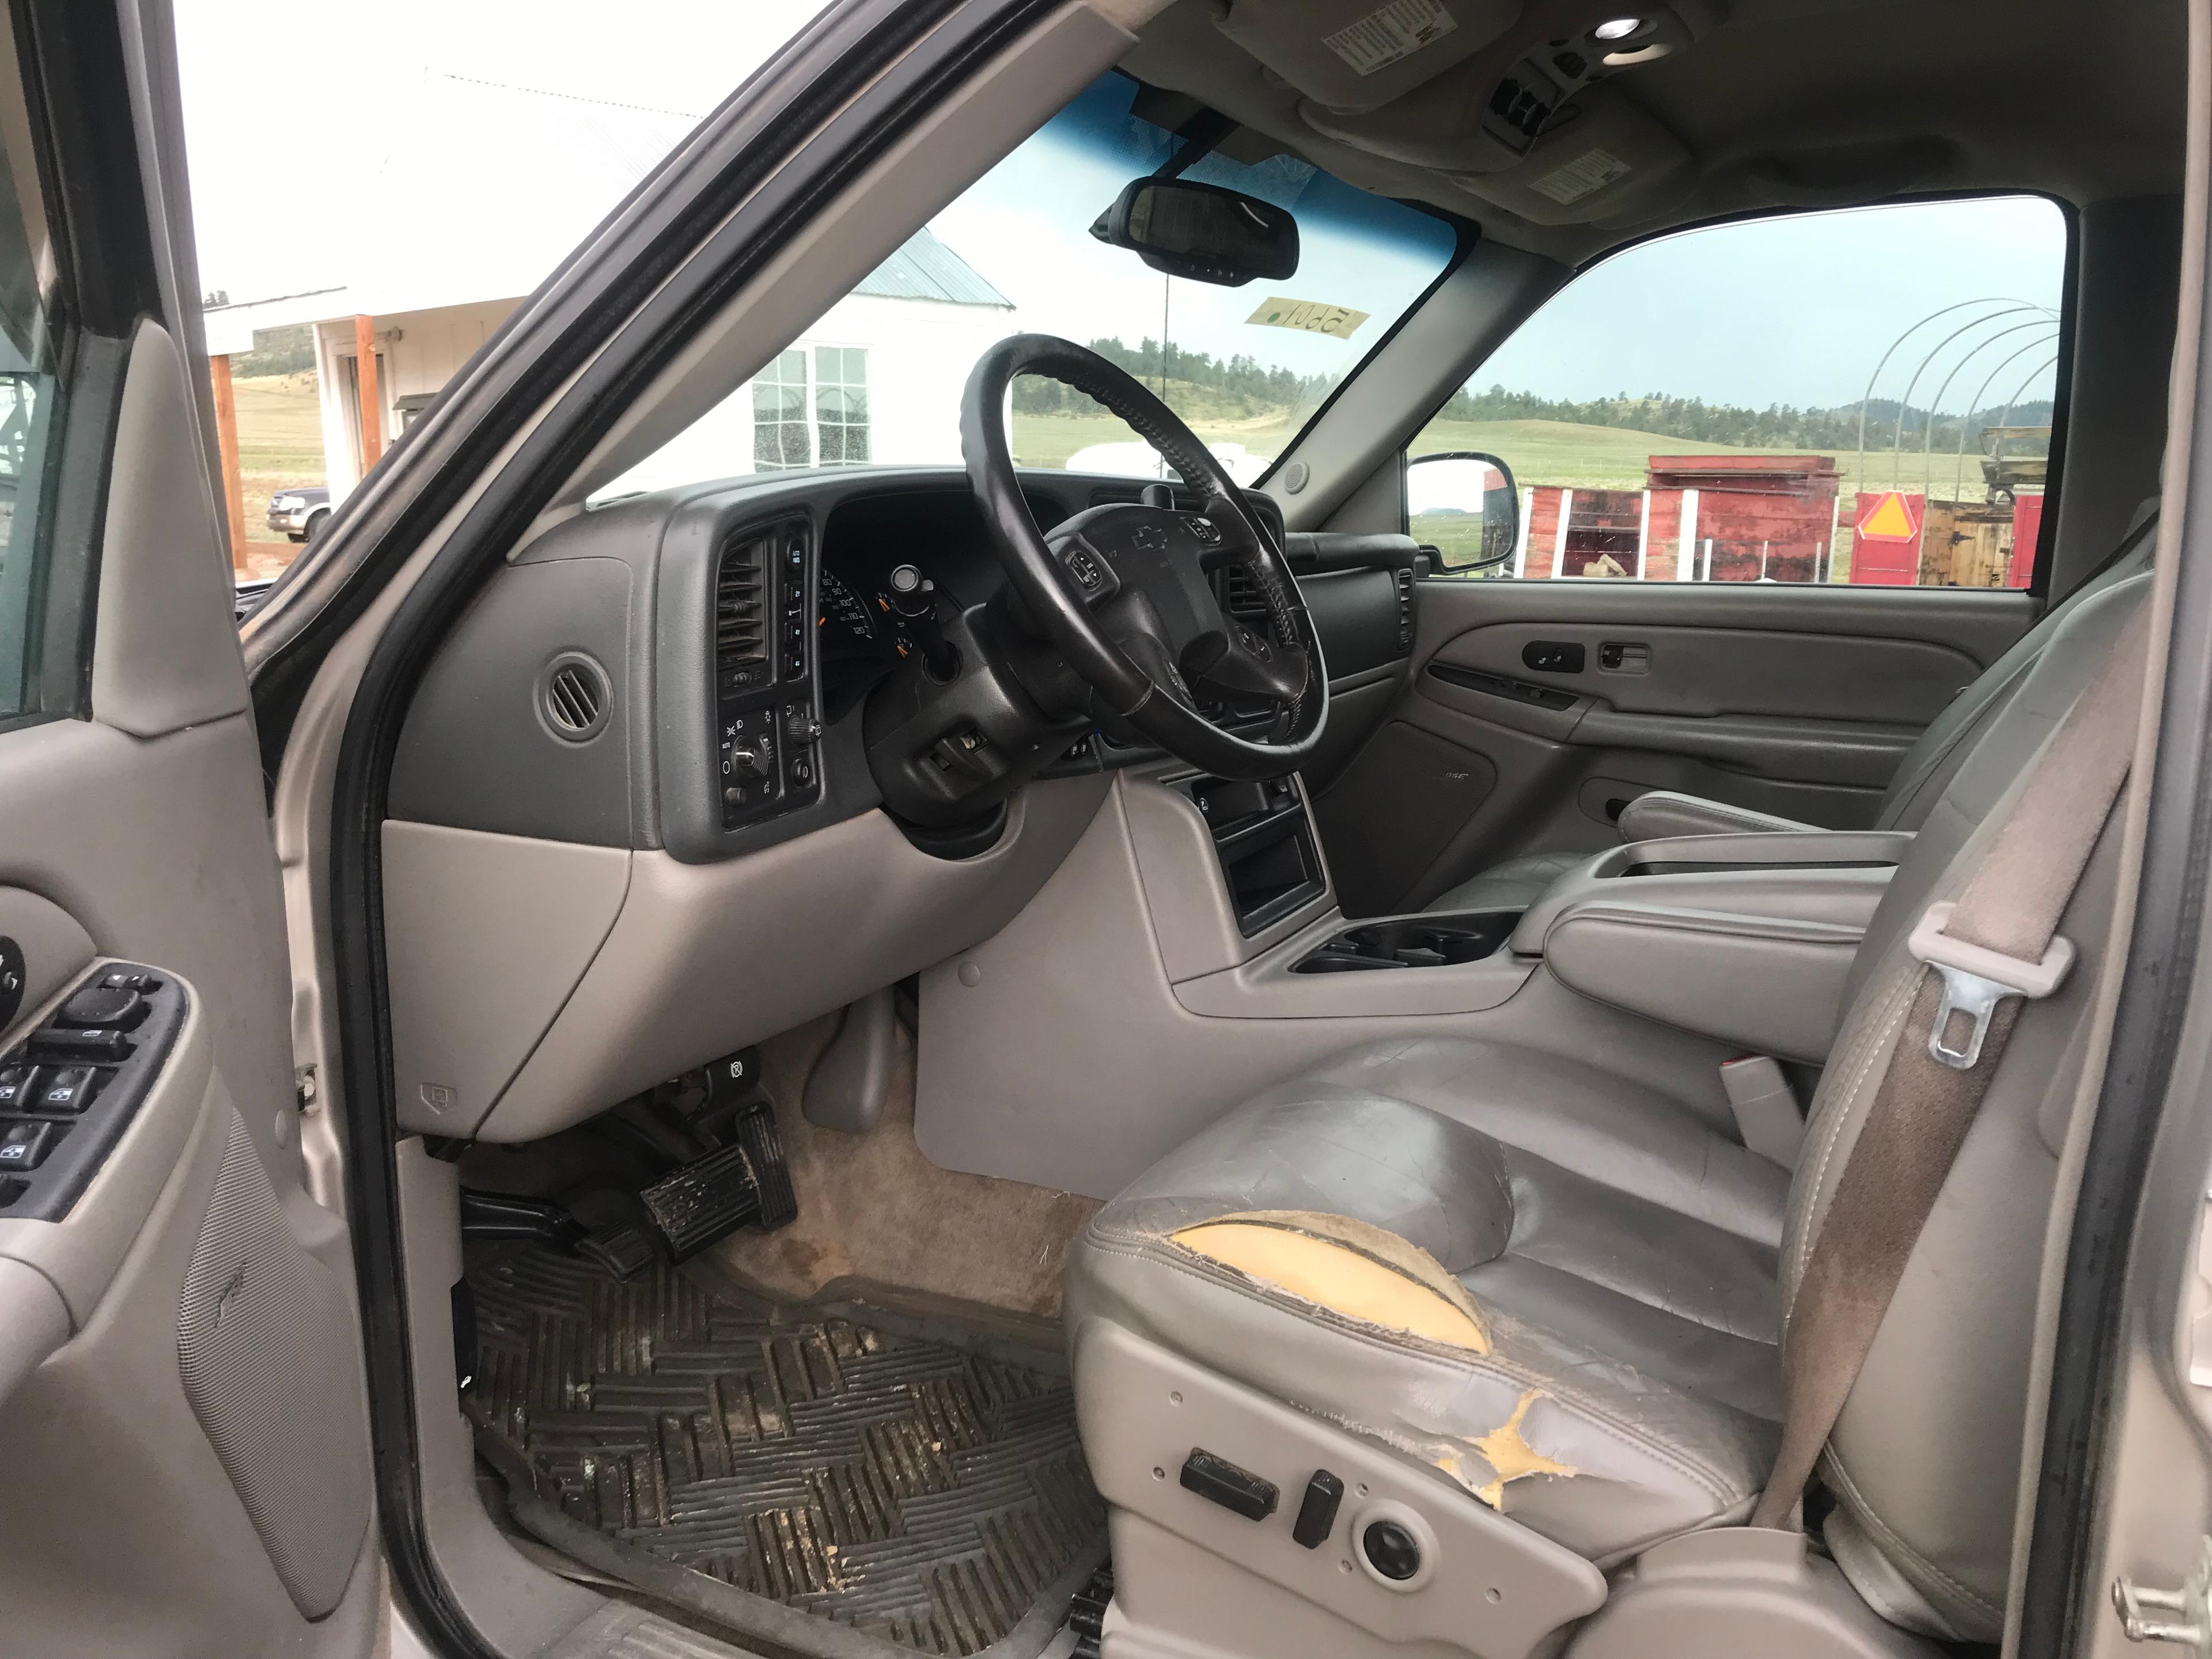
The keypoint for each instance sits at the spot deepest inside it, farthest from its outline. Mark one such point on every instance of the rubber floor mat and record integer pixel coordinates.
(919, 1493)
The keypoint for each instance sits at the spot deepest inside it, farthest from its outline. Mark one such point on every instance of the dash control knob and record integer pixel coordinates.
(750, 764)
(802, 725)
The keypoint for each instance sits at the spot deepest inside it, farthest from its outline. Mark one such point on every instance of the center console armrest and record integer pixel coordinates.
(1745, 939)
(1661, 813)
(1818, 875)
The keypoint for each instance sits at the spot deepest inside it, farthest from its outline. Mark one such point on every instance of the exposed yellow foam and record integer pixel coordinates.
(1333, 1275)
(1511, 1457)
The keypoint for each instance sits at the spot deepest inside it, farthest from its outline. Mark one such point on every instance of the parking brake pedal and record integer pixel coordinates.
(746, 1180)
(622, 1249)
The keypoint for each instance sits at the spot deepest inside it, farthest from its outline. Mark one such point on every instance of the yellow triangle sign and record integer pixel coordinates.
(1890, 519)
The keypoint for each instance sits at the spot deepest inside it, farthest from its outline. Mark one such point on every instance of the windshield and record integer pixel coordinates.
(877, 381)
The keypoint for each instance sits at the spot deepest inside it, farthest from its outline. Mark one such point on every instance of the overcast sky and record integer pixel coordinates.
(291, 106)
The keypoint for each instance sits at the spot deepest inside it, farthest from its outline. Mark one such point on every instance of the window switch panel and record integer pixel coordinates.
(19, 1086)
(23, 1146)
(67, 1089)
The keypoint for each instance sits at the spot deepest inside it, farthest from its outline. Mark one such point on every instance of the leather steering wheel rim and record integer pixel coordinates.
(1157, 710)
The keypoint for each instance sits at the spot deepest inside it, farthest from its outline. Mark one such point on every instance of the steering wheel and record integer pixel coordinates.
(1123, 591)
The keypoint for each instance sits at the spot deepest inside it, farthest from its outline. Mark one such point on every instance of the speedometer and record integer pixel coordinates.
(847, 618)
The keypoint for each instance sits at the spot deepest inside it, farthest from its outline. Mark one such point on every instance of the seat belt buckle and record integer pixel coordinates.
(1975, 980)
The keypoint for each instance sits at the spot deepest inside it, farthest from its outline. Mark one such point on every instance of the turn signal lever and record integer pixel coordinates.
(914, 597)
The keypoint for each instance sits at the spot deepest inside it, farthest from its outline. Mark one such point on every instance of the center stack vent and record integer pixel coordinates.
(741, 614)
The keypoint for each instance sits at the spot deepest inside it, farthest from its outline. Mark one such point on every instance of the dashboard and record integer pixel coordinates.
(690, 671)
(631, 820)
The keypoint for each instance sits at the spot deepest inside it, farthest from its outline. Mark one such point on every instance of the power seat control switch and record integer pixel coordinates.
(1318, 1513)
(1220, 1481)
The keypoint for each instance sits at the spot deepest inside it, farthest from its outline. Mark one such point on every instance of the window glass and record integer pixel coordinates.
(1245, 367)
(27, 388)
(780, 435)
(1861, 397)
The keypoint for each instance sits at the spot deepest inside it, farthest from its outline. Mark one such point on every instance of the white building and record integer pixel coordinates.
(439, 261)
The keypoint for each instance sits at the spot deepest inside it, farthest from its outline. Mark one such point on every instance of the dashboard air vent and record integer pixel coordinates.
(741, 605)
(575, 696)
(1240, 594)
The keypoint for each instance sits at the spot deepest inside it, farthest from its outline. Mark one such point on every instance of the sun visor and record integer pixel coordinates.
(1609, 161)
(1356, 55)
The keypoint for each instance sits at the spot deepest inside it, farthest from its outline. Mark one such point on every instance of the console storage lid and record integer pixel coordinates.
(1719, 935)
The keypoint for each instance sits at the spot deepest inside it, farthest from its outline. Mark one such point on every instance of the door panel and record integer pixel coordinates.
(1795, 701)
(182, 1400)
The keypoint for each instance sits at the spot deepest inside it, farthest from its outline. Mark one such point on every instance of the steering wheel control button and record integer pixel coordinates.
(1220, 1481)
(1086, 570)
(1317, 1512)
(24, 1145)
(99, 1006)
(1391, 1549)
(19, 1086)
(68, 1089)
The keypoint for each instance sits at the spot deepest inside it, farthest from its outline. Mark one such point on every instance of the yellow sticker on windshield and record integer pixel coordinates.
(1309, 316)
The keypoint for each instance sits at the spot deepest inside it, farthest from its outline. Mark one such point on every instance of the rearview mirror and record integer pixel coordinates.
(1463, 507)
(1203, 232)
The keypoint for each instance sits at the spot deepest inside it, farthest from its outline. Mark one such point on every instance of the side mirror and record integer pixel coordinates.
(1202, 231)
(1464, 509)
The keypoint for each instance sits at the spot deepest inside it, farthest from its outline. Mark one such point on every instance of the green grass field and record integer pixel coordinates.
(280, 444)
(1538, 451)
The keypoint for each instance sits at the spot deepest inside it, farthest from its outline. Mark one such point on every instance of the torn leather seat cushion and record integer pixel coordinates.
(1566, 1345)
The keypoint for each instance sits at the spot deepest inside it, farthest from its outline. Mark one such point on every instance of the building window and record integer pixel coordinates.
(840, 405)
(780, 439)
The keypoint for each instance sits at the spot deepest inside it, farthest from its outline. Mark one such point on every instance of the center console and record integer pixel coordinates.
(1412, 942)
(1265, 844)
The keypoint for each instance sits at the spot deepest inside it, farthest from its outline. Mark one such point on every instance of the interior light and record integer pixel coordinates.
(1618, 28)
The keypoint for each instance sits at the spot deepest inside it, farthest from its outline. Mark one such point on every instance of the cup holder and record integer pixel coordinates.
(1413, 942)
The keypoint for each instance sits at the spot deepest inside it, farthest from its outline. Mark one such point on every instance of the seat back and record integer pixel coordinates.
(1924, 1460)
(1951, 738)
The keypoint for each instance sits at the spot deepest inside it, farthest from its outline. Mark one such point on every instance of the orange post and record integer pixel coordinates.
(226, 437)
(372, 418)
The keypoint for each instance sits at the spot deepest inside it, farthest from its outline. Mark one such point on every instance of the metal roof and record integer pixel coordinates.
(925, 269)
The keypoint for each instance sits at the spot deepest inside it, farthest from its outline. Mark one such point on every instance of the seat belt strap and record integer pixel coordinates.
(1997, 945)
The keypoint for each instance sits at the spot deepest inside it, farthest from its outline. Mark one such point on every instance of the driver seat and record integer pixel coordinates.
(1515, 1317)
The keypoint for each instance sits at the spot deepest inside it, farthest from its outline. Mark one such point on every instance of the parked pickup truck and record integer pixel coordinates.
(300, 513)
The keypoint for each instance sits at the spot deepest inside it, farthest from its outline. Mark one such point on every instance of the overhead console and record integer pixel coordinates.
(1514, 103)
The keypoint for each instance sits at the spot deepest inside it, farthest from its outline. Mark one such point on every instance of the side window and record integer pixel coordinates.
(28, 389)
(1861, 396)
